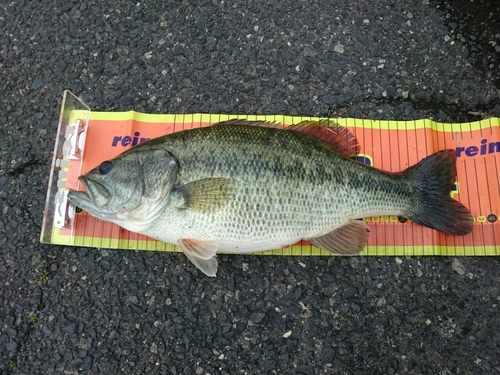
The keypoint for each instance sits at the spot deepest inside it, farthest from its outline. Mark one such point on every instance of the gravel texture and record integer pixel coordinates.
(66, 310)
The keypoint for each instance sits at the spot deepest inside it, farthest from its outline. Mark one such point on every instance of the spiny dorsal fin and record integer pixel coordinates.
(341, 140)
(207, 195)
(263, 124)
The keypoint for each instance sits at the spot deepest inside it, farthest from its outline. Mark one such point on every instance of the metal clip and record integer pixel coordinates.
(64, 210)
(75, 140)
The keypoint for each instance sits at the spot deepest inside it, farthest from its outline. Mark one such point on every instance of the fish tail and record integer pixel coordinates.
(433, 179)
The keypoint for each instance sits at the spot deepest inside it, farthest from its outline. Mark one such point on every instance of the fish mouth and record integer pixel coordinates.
(85, 193)
(95, 195)
(81, 199)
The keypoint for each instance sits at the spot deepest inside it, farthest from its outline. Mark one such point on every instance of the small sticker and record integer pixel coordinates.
(492, 218)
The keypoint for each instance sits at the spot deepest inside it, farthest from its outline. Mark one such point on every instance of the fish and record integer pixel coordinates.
(243, 186)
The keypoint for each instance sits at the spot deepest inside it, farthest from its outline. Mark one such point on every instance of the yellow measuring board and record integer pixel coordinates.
(388, 145)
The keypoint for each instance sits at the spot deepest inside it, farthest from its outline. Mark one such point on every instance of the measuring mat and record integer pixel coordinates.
(86, 138)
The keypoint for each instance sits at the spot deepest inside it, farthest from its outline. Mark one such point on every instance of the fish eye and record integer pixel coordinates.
(105, 167)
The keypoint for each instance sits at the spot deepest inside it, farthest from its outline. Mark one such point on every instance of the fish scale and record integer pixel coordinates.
(242, 186)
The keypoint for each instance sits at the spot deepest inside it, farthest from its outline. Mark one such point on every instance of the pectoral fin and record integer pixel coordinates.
(350, 239)
(207, 195)
(201, 254)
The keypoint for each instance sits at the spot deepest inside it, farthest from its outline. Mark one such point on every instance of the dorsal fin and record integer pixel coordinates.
(341, 140)
(263, 124)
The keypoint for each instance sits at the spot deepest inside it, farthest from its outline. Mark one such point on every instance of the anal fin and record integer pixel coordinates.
(349, 239)
(201, 254)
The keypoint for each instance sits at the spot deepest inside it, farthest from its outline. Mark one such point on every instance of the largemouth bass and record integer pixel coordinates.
(241, 186)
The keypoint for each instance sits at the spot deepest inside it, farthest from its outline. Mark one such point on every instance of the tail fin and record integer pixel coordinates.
(434, 177)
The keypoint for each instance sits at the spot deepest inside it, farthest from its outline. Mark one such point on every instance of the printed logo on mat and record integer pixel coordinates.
(485, 148)
(127, 140)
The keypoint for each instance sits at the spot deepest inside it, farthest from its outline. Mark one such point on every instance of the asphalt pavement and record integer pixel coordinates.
(66, 310)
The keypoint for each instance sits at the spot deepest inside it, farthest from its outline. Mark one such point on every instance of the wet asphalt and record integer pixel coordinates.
(66, 310)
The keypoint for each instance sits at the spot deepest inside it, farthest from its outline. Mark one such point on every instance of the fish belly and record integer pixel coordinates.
(270, 216)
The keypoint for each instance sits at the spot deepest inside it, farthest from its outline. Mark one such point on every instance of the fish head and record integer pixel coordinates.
(130, 189)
